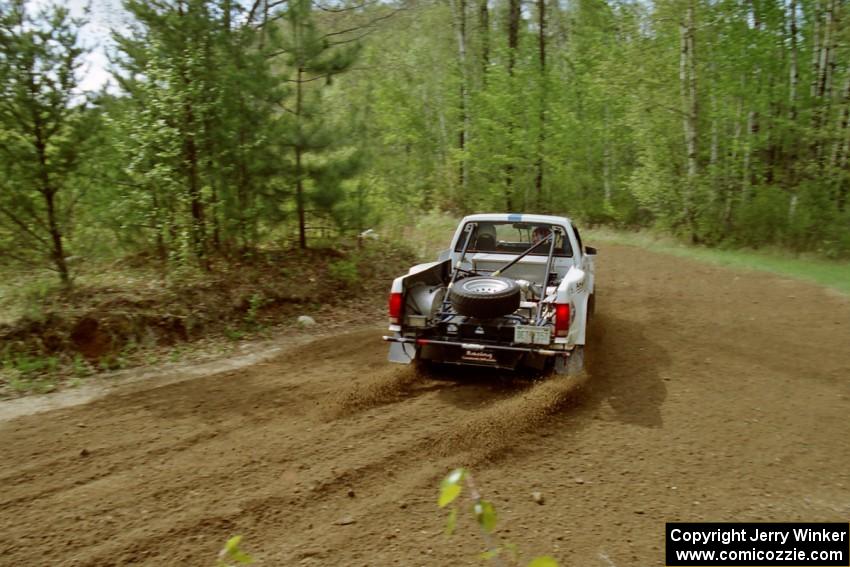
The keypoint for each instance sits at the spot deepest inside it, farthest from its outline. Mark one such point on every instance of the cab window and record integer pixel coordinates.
(514, 238)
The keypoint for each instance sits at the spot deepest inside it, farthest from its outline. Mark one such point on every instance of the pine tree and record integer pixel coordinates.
(314, 143)
(41, 131)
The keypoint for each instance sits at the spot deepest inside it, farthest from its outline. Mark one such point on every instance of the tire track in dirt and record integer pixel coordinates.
(498, 426)
(383, 388)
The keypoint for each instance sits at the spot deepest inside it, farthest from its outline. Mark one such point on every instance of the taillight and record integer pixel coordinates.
(562, 319)
(396, 303)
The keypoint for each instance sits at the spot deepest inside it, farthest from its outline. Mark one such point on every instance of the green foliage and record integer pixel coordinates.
(314, 155)
(31, 365)
(112, 362)
(43, 130)
(544, 561)
(234, 334)
(81, 367)
(431, 234)
(25, 373)
(255, 304)
(232, 554)
(451, 522)
(451, 487)
(232, 129)
(196, 129)
(484, 513)
(344, 272)
(175, 355)
(605, 118)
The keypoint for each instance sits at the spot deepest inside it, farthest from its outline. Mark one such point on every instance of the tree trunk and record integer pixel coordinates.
(746, 177)
(514, 14)
(541, 136)
(299, 198)
(793, 73)
(190, 156)
(729, 172)
(752, 115)
(56, 239)
(299, 182)
(816, 38)
(793, 86)
(190, 162)
(484, 33)
(824, 62)
(49, 194)
(688, 87)
(607, 158)
(215, 205)
(840, 149)
(463, 131)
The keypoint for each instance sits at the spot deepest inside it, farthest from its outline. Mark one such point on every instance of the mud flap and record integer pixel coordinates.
(571, 365)
(402, 353)
(536, 362)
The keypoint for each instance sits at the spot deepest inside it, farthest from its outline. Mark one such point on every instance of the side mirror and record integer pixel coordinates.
(590, 250)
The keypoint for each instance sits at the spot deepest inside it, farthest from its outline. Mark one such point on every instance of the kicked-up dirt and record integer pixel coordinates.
(711, 395)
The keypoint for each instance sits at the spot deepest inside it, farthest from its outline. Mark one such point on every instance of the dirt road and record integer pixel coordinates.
(712, 395)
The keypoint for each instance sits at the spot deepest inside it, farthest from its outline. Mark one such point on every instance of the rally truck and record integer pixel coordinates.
(512, 290)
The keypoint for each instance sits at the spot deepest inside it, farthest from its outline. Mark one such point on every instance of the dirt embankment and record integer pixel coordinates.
(93, 328)
(711, 395)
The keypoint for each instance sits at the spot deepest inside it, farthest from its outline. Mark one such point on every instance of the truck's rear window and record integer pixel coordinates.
(514, 238)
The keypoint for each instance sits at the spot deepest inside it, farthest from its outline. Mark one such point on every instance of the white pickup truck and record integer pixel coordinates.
(513, 290)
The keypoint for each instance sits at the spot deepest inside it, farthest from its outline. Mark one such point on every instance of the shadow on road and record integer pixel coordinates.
(624, 371)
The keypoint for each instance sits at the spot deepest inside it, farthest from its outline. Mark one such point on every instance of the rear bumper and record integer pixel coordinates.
(472, 346)
(474, 353)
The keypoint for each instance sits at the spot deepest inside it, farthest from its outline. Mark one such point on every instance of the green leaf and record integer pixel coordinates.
(241, 557)
(455, 477)
(450, 487)
(486, 515)
(543, 561)
(233, 544)
(448, 494)
(451, 522)
(231, 551)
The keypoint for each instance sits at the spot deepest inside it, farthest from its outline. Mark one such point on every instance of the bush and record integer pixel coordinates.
(344, 272)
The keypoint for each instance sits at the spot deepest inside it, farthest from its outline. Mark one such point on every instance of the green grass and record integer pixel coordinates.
(24, 373)
(833, 274)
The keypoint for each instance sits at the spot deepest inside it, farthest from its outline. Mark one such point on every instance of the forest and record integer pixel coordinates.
(232, 125)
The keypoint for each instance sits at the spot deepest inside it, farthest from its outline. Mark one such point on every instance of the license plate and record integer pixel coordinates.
(480, 356)
(532, 335)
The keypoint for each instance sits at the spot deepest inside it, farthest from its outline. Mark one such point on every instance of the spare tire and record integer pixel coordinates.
(485, 297)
